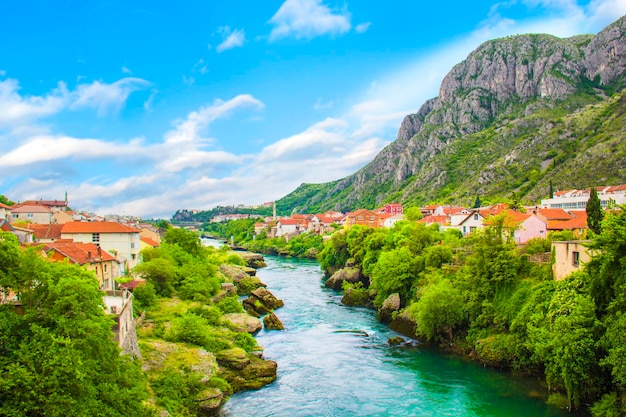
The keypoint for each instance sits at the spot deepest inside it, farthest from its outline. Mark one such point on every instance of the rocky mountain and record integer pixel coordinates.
(517, 113)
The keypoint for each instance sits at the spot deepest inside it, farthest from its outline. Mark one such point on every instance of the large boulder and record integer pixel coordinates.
(242, 322)
(255, 374)
(390, 306)
(235, 358)
(267, 298)
(253, 260)
(404, 324)
(349, 274)
(239, 275)
(272, 322)
(209, 402)
(356, 297)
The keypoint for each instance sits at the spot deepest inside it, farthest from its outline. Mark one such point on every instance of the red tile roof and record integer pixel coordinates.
(46, 231)
(80, 253)
(579, 222)
(97, 227)
(442, 220)
(4, 206)
(150, 242)
(554, 213)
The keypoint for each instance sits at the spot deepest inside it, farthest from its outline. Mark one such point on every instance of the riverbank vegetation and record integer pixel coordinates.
(305, 245)
(58, 356)
(483, 297)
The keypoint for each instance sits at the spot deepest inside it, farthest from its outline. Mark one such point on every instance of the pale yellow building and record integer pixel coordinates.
(569, 256)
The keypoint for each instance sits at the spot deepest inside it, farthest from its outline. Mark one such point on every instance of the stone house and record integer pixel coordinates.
(569, 256)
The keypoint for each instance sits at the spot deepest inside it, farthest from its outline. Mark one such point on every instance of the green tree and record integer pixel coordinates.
(413, 214)
(439, 311)
(161, 273)
(57, 356)
(594, 212)
(186, 239)
(395, 272)
(477, 202)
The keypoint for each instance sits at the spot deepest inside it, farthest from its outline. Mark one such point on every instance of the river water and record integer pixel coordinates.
(334, 360)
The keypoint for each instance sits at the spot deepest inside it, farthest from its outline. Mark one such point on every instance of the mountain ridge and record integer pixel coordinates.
(498, 100)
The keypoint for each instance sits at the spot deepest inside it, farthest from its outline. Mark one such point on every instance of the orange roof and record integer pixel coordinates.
(49, 203)
(554, 213)
(442, 220)
(80, 253)
(46, 231)
(289, 221)
(97, 227)
(579, 222)
(4, 206)
(150, 242)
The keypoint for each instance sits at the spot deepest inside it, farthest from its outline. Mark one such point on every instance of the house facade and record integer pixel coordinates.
(33, 213)
(121, 240)
(93, 258)
(362, 217)
(569, 256)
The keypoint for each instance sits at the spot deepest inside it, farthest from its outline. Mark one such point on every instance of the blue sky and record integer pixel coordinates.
(146, 107)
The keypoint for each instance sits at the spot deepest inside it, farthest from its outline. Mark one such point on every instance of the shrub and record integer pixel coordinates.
(230, 305)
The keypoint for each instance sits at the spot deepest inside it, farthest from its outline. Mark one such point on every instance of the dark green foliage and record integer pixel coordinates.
(485, 296)
(58, 357)
(145, 296)
(594, 212)
(175, 390)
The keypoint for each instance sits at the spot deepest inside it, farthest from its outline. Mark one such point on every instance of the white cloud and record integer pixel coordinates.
(126, 70)
(320, 104)
(105, 97)
(230, 39)
(200, 67)
(306, 19)
(15, 109)
(44, 148)
(3, 73)
(362, 27)
(189, 129)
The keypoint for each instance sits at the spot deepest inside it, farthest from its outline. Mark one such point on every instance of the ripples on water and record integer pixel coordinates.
(335, 361)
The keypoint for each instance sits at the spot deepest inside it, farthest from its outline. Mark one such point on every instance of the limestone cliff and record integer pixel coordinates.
(496, 98)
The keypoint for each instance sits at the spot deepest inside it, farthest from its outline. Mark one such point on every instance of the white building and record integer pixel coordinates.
(577, 199)
(118, 239)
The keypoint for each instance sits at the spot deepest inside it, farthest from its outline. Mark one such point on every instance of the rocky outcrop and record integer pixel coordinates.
(390, 306)
(242, 322)
(245, 371)
(241, 277)
(253, 260)
(272, 322)
(517, 75)
(356, 297)
(348, 274)
(404, 324)
(260, 302)
(606, 54)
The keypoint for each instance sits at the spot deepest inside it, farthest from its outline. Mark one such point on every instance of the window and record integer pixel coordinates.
(30, 215)
(475, 216)
(95, 238)
(575, 258)
(104, 267)
(132, 245)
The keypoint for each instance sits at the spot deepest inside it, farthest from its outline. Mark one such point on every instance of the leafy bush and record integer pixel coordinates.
(230, 305)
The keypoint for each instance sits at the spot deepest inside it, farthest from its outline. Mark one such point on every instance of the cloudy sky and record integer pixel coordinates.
(146, 107)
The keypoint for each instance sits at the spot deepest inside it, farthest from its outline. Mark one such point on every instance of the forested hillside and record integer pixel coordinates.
(518, 113)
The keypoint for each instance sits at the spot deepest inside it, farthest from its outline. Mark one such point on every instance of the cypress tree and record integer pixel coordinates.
(594, 212)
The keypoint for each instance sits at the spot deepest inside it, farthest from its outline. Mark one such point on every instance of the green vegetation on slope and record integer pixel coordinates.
(576, 143)
(57, 354)
(483, 297)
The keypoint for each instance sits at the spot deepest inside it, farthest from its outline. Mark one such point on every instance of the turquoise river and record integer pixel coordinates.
(334, 360)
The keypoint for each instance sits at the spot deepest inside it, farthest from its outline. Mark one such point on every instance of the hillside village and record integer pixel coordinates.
(111, 246)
